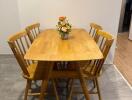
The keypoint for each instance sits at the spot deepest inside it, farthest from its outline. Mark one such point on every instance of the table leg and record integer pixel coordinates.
(71, 90)
(43, 89)
(83, 84)
(49, 67)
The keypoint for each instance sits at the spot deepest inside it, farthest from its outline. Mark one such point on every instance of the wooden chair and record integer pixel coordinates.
(94, 28)
(33, 31)
(92, 70)
(19, 43)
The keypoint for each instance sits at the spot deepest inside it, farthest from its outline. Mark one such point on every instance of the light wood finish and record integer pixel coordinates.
(33, 31)
(123, 56)
(19, 44)
(71, 90)
(94, 28)
(48, 46)
(83, 84)
(91, 70)
(19, 49)
(55, 90)
(46, 71)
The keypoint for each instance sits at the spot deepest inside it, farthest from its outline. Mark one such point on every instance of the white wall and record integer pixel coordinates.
(29, 11)
(79, 12)
(9, 23)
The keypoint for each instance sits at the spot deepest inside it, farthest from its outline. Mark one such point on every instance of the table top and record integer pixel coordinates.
(48, 46)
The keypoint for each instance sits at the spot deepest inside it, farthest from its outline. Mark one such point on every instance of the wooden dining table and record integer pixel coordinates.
(48, 48)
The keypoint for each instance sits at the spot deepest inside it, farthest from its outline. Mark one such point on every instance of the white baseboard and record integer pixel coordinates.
(123, 77)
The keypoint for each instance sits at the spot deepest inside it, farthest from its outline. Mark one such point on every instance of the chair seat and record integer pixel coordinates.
(31, 69)
(85, 67)
(72, 71)
(81, 64)
(35, 72)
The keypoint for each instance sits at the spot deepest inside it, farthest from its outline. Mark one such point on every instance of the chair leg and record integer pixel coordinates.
(71, 90)
(69, 84)
(55, 90)
(83, 84)
(28, 86)
(43, 89)
(98, 90)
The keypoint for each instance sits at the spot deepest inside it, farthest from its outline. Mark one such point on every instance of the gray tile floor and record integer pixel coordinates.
(12, 85)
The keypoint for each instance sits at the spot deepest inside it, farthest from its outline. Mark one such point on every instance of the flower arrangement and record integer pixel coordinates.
(64, 27)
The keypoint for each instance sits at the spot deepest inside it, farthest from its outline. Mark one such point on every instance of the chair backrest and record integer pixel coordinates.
(94, 28)
(32, 31)
(104, 41)
(19, 43)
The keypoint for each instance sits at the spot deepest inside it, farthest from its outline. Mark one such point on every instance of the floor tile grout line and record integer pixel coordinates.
(123, 77)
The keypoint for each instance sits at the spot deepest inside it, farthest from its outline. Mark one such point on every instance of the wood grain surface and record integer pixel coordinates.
(48, 46)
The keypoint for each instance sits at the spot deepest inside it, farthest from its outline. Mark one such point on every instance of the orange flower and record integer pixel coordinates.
(62, 18)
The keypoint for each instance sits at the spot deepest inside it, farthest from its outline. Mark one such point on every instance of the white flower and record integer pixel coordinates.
(63, 23)
(64, 29)
(59, 28)
(68, 27)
